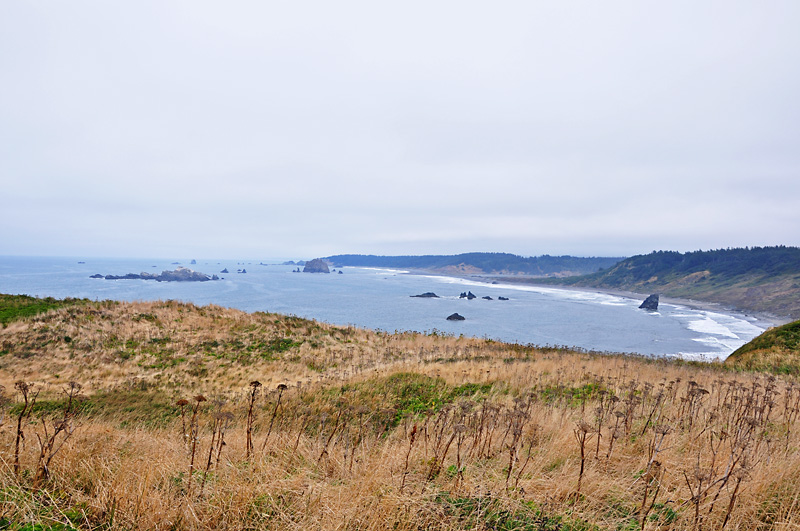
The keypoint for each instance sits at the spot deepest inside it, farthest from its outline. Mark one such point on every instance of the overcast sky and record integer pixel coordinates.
(258, 129)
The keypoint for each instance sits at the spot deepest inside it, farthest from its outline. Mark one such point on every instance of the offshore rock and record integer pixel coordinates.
(317, 265)
(650, 303)
(456, 317)
(488, 298)
(426, 295)
(181, 274)
(502, 298)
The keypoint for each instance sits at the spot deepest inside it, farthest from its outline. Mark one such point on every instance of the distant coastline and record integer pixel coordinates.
(763, 319)
(758, 282)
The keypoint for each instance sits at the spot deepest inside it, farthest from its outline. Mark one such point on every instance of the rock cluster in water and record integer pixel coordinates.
(181, 274)
(426, 295)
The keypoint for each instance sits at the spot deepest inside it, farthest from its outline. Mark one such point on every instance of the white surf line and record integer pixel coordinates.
(590, 296)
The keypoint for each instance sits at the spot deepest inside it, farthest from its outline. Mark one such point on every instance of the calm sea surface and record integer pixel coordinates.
(380, 299)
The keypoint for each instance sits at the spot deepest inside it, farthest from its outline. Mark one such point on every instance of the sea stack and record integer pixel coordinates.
(317, 265)
(650, 303)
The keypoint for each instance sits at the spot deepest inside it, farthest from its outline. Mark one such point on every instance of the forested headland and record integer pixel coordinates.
(486, 263)
(761, 279)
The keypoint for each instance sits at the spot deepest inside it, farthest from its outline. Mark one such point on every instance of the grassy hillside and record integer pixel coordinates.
(488, 263)
(168, 415)
(765, 279)
(19, 306)
(776, 350)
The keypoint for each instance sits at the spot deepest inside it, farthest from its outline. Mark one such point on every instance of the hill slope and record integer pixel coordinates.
(311, 426)
(487, 263)
(776, 350)
(764, 279)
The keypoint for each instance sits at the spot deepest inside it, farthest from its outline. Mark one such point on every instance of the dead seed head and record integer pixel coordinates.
(255, 384)
(663, 429)
(701, 475)
(199, 398)
(182, 402)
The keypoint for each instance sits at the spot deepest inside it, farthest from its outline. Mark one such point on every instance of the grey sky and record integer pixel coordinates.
(300, 129)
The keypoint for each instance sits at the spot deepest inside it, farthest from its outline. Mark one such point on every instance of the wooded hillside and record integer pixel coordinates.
(489, 263)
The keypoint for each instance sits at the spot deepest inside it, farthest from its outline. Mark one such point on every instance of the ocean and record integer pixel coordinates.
(380, 299)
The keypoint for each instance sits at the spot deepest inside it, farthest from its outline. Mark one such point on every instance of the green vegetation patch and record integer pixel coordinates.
(486, 512)
(134, 407)
(776, 351)
(573, 395)
(786, 337)
(129, 406)
(410, 394)
(279, 345)
(16, 307)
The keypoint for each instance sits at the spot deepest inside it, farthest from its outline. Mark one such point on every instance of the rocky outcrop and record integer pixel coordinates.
(193, 262)
(488, 298)
(130, 276)
(317, 265)
(650, 303)
(427, 295)
(98, 275)
(224, 271)
(181, 274)
(340, 272)
(502, 298)
(467, 295)
(456, 317)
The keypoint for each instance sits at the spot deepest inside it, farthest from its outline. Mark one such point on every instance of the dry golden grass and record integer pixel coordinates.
(495, 444)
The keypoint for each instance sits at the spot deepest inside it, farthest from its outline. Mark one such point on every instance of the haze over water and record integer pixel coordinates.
(381, 300)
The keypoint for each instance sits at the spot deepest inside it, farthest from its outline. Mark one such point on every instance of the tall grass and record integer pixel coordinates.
(406, 431)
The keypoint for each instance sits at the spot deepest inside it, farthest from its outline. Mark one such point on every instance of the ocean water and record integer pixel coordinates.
(381, 299)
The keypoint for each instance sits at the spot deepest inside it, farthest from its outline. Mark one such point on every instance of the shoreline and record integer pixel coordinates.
(762, 319)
